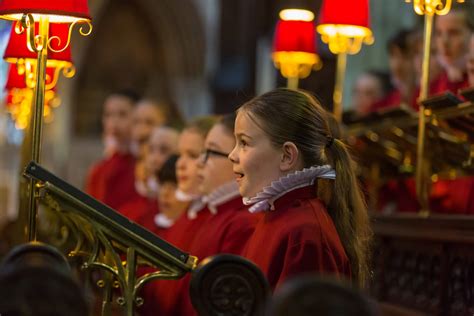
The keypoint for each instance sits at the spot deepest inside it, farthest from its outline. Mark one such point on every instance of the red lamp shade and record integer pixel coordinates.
(58, 10)
(354, 12)
(17, 81)
(295, 36)
(17, 48)
(14, 80)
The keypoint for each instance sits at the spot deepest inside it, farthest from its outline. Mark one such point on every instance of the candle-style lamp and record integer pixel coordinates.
(428, 8)
(344, 26)
(39, 40)
(294, 45)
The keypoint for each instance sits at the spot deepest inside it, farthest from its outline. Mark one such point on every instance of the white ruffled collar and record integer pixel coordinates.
(221, 195)
(264, 200)
(213, 200)
(163, 221)
(185, 197)
(148, 188)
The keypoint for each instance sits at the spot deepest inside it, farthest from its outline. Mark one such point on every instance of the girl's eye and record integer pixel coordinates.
(243, 143)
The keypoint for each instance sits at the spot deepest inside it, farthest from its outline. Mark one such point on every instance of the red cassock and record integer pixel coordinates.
(142, 210)
(226, 231)
(112, 180)
(159, 295)
(297, 237)
(453, 196)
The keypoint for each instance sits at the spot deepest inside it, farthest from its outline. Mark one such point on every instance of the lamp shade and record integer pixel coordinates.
(17, 48)
(354, 12)
(18, 81)
(294, 36)
(14, 80)
(294, 48)
(57, 10)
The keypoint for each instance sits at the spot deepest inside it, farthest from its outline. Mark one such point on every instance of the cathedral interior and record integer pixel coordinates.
(414, 156)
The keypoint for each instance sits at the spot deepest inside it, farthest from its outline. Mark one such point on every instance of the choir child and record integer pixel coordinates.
(159, 296)
(292, 170)
(452, 32)
(112, 179)
(170, 207)
(163, 142)
(229, 225)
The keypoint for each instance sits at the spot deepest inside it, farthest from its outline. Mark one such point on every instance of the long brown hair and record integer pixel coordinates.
(296, 116)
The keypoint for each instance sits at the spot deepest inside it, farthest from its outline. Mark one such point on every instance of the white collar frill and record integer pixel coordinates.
(219, 196)
(163, 221)
(264, 200)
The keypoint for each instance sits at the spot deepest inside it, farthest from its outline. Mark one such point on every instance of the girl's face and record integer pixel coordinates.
(214, 167)
(117, 118)
(452, 37)
(162, 144)
(168, 203)
(367, 91)
(256, 162)
(190, 146)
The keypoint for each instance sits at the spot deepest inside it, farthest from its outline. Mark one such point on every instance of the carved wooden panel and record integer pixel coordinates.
(425, 265)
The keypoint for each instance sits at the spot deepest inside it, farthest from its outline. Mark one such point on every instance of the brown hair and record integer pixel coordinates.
(298, 117)
(228, 121)
(202, 124)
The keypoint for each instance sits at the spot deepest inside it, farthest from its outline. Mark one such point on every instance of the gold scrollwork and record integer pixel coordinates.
(71, 26)
(34, 43)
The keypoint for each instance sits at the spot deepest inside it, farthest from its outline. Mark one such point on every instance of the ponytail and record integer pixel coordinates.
(348, 210)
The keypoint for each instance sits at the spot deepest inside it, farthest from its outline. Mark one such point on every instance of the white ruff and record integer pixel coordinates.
(185, 197)
(221, 195)
(264, 200)
(163, 221)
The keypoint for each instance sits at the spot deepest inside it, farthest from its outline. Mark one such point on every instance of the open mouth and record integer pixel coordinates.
(239, 175)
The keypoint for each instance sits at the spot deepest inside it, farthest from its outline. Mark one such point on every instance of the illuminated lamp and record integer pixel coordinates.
(41, 42)
(294, 45)
(344, 26)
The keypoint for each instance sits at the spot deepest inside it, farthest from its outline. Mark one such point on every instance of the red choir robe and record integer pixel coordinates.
(297, 237)
(226, 230)
(112, 180)
(142, 210)
(392, 99)
(453, 196)
(159, 295)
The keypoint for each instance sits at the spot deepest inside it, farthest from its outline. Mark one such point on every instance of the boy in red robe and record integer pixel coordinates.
(112, 179)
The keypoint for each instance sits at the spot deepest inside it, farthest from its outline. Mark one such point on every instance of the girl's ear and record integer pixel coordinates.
(290, 158)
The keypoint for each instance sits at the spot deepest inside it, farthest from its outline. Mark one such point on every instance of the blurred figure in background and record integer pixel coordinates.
(170, 207)
(146, 116)
(470, 62)
(402, 71)
(370, 88)
(436, 73)
(451, 35)
(112, 180)
(162, 143)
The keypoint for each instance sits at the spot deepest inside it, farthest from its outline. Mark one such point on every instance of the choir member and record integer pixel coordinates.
(112, 180)
(170, 207)
(163, 142)
(229, 225)
(289, 167)
(451, 36)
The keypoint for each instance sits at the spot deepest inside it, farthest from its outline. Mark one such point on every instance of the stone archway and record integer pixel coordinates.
(146, 45)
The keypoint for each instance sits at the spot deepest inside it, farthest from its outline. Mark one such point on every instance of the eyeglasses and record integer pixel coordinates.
(209, 152)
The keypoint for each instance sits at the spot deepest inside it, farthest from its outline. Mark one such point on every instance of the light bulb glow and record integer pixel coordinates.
(296, 15)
